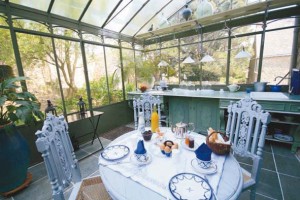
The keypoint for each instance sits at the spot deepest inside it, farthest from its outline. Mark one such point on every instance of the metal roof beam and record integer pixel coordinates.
(152, 17)
(134, 15)
(111, 13)
(85, 9)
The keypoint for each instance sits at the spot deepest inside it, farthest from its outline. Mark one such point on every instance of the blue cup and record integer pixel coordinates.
(248, 90)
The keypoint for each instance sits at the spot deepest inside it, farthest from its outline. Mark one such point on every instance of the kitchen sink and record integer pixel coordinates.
(269, 95)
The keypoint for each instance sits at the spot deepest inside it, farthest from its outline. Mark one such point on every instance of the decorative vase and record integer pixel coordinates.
(204, 9)
(14, 158)
(186, 13)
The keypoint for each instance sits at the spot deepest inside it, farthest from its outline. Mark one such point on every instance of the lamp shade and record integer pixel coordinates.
(243, 54)
(207, 58)
(163, 63)
(188, 60)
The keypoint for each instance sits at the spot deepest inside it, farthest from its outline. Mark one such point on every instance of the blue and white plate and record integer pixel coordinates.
(115, 152)
(190, 186)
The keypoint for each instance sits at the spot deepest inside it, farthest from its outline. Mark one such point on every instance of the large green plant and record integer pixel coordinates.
(17, 106)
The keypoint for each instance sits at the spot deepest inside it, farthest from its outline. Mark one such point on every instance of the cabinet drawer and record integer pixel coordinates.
(294, 108)
(272, 106)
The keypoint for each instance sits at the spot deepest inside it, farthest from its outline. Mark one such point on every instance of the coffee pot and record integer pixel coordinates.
(181, 129)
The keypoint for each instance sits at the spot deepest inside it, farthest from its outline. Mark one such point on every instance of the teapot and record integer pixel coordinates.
(181, 129)
(233, 87)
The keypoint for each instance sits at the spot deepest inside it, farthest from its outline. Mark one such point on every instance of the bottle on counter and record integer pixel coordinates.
(141, 122)
(154, 119)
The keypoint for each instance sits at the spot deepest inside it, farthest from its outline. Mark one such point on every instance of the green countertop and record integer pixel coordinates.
(266, 96)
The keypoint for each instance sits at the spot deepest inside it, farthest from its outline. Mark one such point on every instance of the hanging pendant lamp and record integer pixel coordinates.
(243, 54)
(163, 63)
(188, 60)
(207, 58)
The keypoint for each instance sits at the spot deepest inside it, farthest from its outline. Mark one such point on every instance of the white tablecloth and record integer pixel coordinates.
(157, 174)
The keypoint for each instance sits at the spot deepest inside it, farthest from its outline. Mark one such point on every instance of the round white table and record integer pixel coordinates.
(126, 186)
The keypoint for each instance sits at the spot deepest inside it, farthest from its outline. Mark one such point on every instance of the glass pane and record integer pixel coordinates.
(114, 74)
(99, 11)
(170, 73)
(147, 71)
(143, 16)
(124, 16)
(277, 56)
(3, 20)
(69, 8)
(244, 70)
(189, 72)
(247, 29)
(91, 37)
(214, 73)
(111, 41)
(39, 64)
(97, 75)
(129, 70)
(36, 4)
(160, 20)
(280, 23)
(65, 32)
(126, 44)
(7, 56)
(31, 25)
(72, 73)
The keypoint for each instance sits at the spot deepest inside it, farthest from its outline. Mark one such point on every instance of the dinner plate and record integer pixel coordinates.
(189, 186)
(196, 145)
(115, 152)
(282, 137)
(211, 170)
(137, 162)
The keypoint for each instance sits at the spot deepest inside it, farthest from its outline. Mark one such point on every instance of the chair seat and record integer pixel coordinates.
(247, 180)
(90, 188)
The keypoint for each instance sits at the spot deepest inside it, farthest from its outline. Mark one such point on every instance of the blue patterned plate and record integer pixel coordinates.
(115, 152)
(190, 186)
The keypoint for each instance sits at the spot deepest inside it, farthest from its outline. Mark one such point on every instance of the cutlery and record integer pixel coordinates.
(114, 163)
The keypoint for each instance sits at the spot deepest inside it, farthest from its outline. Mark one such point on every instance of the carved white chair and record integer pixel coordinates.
(62, 166)
(145, 104)
(246, 128)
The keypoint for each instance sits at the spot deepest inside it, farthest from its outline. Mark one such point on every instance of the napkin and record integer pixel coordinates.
(140, 149)
(203, 152)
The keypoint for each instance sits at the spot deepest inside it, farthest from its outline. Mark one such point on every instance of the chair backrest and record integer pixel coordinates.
(145, 104)
(246, 127)
(55, 145)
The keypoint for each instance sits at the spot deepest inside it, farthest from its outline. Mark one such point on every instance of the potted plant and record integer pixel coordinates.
(16, 106)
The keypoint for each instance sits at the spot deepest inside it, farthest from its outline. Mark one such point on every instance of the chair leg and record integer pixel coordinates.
(252, 193)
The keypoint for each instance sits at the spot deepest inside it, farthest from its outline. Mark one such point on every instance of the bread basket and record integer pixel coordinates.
(218, 148)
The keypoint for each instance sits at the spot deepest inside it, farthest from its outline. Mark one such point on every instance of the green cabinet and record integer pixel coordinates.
(203, 112)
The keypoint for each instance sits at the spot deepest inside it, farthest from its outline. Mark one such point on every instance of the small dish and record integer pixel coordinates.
(211, 170)
(115, 152)
(282, 137)
(196, 145)
(134, 160)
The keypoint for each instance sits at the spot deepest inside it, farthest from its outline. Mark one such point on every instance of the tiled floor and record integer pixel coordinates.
(280, 174)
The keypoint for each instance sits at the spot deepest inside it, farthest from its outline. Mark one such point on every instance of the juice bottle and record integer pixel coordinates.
(154, 119)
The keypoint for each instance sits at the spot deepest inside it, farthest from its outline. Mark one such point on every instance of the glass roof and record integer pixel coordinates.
(132, 17)
(36, 4)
